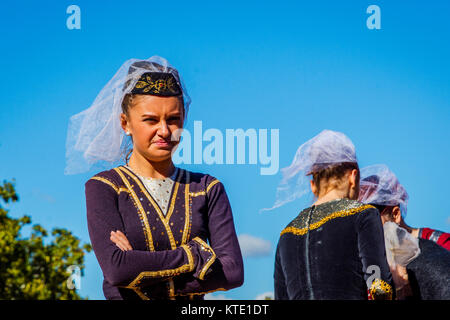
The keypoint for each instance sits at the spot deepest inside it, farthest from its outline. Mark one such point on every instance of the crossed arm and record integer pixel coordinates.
(194, 272)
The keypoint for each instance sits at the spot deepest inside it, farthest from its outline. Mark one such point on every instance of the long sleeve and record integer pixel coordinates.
(373, 255)
(227, 270)
(279, 279)
(131, 268)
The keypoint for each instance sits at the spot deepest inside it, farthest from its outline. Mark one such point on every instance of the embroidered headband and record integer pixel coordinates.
(158, 84)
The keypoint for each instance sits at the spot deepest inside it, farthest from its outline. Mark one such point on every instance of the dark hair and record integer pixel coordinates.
(332, 172)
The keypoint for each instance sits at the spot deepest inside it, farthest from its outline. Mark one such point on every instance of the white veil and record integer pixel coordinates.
(94, 136)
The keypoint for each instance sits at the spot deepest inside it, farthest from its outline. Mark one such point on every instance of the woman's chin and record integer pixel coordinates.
(160, 155)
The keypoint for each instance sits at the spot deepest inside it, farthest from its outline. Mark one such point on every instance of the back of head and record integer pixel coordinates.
(379, 186)
(333, 177)
(327, 156)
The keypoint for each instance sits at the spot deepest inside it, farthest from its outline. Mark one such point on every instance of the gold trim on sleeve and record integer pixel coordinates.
(200, 293)
(212, 184)
(337, 214)
(210, 260)
(188, 267)
(380, 289)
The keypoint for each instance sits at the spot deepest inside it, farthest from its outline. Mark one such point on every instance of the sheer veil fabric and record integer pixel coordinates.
(94, 136)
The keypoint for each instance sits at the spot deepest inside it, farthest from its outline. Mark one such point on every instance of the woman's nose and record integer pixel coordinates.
(163, 130)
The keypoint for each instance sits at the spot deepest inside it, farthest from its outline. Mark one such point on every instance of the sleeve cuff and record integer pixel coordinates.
(380, 290)
(206, 257)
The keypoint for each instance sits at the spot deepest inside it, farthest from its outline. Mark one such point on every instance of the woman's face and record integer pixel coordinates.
(155, 124)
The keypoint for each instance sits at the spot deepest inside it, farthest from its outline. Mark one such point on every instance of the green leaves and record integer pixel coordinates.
(35, 267)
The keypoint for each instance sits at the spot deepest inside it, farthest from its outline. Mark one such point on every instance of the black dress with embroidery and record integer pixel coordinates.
(190, 251)
(332, 251)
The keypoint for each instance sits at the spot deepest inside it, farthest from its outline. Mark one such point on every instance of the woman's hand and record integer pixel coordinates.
(120, 240)
(401, 281)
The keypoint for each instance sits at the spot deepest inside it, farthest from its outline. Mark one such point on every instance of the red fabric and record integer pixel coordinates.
(443, 240)
(426, 233)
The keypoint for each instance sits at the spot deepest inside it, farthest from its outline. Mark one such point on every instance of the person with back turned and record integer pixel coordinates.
(333, 249)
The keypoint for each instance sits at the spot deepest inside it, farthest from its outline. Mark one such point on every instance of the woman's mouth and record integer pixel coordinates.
(162, 143)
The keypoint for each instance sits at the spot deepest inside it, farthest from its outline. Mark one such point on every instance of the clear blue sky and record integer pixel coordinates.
(296, 66)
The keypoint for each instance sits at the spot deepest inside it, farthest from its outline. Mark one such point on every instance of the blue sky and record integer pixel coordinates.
(296, 66)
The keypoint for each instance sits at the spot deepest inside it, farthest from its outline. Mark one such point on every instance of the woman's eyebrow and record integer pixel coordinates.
(174, 114)
(149, 115)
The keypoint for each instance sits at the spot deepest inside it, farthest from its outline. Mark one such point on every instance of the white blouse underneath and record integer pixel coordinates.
(159, 189)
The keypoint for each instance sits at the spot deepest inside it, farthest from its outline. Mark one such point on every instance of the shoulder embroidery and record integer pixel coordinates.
(212, 184)
(204, 192)
(338, 214)
(107, 181)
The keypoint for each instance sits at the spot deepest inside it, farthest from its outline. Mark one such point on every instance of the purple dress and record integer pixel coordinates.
(171, 257)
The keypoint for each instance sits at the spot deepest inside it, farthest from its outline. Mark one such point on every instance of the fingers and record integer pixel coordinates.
(124, 239)
(120, 240)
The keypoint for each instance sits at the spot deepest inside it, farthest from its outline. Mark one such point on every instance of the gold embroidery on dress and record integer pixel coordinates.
(141, 212)
(210, 260)
(104, 180)
(188, 267)
(172, 203)
(187, 212)
(211, 185)
(200, 293)
(155, 206)
(381, 289)
(196, 194)
(338, 214)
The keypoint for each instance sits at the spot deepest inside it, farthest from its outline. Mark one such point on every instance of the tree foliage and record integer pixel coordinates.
(36, 266)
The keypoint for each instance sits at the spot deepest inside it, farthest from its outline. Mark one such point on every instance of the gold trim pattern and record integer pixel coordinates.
(171, 290)
(200, 293)
(212, 184)
(104, 180)
(188, 267)
(196, 194)
(140, 294)
(210, 260)
(161, 85)
(187, 211)
(155, 206)
(172, 203)
(204, 192)
(141, 211)
(380, 287)
(338, 214)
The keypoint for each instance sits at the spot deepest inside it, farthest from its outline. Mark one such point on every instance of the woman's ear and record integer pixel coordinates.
(124, 122)
(313, 187)
(353, 179)
(397, 215)
(353, 185)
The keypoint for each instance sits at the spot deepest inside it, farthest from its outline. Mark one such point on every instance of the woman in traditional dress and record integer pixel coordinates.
(333, 249)
(158, 231)
(420, 267)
